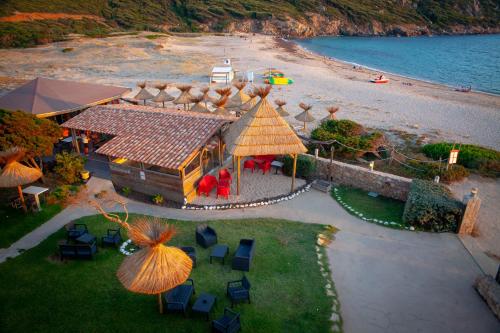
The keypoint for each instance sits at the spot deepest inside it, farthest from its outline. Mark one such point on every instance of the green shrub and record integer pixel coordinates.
(126, 191)
(158, 199)
(305, 166)
(68, 166)
(430, 170)
(430, 206)
(62, 193)
(470, 156)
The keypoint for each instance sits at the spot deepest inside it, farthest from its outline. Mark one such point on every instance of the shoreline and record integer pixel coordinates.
(377, 70)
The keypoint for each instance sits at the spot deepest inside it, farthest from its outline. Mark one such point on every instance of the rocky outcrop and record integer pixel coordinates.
(489, 289)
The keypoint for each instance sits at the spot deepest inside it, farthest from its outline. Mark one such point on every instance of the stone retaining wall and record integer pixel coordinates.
(385, 184)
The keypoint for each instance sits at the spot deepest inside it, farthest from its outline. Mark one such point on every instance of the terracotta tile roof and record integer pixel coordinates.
(149, 135)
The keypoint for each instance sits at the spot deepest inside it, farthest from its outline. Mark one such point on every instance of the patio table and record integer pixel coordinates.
(86, 239)
(277, 165)
(220, 251)
(204, 304)
(36, 191)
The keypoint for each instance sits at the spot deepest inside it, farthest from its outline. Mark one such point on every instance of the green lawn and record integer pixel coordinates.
(40, 293)
(378, 210)
(14, 223)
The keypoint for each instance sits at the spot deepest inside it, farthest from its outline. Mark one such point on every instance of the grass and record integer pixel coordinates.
(379, 208)
(15, 223)
(156, 36)
(288, 294)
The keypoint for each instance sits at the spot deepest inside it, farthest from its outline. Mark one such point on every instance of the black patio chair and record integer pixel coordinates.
(239, 290)
(191, 252)
(205, 236)
(177, 299)
(76, 230)
(113, 237)
(228, 323)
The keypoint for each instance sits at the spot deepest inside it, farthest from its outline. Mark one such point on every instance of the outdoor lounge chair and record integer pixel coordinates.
(239, 290)
(77, 251)
(112, 237)
(205, 236)
(177, 299)
(191, 252)
(244, 254)
(228, 323)
(224, 174)
(224, 189)
(249, 164)
(206, 185)
(265, 166)
(76, 230)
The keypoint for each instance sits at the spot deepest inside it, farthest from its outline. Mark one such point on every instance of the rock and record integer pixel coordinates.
(489, 289)
(335, 317)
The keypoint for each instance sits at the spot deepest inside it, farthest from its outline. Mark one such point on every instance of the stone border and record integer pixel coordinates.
(361, 216)
(256, 203)
(123, 248)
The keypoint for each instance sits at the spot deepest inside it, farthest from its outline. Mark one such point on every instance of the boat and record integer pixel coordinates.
(280, 81)
(379, 80)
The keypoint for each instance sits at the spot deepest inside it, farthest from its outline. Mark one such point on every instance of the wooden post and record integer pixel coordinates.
(160, 303)
(221, 157)
(238, 181)
(294, 170)
(233, 161)
(75, 141)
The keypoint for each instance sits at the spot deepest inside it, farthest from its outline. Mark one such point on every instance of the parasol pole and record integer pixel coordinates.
(160, 303)
(21, 196)
(238, 181)
(294, 170)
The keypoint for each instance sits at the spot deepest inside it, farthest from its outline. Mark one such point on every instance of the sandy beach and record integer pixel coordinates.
(432, 111)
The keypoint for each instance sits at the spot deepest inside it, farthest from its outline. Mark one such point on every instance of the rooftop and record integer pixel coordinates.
(157, 136)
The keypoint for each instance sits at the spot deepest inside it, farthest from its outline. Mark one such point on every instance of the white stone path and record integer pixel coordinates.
(387, 280)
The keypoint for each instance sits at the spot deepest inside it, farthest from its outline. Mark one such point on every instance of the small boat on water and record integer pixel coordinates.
(380, 79)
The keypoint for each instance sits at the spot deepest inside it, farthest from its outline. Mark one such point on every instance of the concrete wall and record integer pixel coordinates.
(385, 184)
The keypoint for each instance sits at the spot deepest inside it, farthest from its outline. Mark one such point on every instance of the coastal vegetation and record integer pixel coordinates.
(294, 18)
(285, 268)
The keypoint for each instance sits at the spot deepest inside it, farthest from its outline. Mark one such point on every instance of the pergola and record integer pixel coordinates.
(262, 131)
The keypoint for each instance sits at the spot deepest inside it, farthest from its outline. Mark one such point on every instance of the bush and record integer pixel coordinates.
(126, 191)
(305, 166)
(470, 156)
(62, 193)
(158, 199)
(430, 206)
(69, 166)
(430, 170)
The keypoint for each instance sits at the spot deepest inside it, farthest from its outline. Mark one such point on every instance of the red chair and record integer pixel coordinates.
(224, 189)
(249, 164)
(207, 184)
(265, 166)
(225, 175)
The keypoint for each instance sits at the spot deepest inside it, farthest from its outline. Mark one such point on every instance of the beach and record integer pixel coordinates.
(430, 111)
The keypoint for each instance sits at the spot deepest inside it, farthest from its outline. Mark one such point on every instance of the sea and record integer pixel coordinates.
(456, 61)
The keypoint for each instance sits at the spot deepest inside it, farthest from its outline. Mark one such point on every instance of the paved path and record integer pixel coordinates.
(387, 280)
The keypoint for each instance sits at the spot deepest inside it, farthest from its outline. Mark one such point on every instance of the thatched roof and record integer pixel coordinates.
(226, 91)
(262, 131)
(14, 173)
(185, 97)
(155, 268)
(221, 107)
(143, 93)
(250, 103)
(239, 98)
(305, 116)
(162, 96)
(206, 97)
(199, 105)
(280, 109)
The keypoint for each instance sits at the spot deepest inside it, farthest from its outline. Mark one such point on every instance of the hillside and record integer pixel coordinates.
(22, 22)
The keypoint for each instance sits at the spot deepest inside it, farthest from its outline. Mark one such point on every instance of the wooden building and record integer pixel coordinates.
(156, 150)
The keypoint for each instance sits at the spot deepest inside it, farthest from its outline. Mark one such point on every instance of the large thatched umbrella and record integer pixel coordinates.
(331, 113)
(162, 96)
(262, 131)
(281, 110)
(222, 92)
(199, 106)
(185, 96)
(14, 174)
(143, 94)
(239, 98)
(155, 268)
(221, 107)
(305, 117)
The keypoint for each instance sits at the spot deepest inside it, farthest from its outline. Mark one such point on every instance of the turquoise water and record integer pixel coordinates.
(451, 60)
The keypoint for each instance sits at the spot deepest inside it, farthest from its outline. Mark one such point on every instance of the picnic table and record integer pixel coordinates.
(36, 191)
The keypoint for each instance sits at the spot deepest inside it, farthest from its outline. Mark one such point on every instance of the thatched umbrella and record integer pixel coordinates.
(162, 96)
(14, 174)
(250, 103)
(143, 94)
(185, 96)
(305, 116)
(199, 106)
(226, 91)
(281, 110)
(221, 107)
(262, 131)
(239, 98)
(155, 268)
(331, 113)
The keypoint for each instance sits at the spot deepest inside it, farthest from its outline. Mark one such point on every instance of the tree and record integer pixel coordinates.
(69, 166)
(35, 135)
